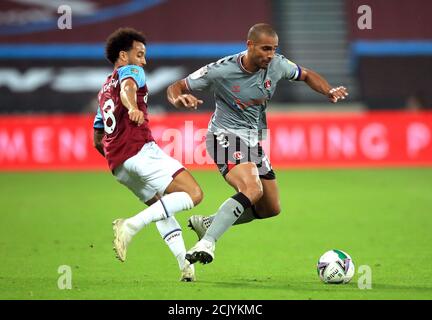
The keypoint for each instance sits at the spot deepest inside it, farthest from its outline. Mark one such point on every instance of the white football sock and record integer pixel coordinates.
(171, 232)
(164, 208)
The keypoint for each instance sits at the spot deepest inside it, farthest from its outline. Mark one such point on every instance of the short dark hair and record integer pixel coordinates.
(260, 28)
(121, 40)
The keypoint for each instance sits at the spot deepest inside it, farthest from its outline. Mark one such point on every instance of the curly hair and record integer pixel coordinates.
(121, 40)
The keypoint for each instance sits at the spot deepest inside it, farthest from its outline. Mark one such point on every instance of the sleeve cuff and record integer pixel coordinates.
(298, 73)
(187, 84)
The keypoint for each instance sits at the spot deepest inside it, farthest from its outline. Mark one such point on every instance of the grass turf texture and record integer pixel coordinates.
(381, 217)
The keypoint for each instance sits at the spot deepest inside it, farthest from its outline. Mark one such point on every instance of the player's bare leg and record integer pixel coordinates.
(246, 180)
(185, 182)
(269, 204)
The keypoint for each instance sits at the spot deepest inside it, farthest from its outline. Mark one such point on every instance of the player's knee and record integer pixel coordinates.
(254, 192)
(196, 195)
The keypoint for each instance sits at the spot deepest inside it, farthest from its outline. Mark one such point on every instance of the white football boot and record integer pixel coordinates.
(203, 251)
(197, 224)
(122, 238)
(188, 272)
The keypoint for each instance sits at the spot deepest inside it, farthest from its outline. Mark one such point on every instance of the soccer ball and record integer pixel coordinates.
(335, 266)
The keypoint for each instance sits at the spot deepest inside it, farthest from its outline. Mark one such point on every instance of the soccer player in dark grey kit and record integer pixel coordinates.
(242, 84)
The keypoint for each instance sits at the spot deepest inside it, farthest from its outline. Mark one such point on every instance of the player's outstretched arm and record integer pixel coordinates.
(97, 140)
(178, 95)
(318, 83)
(128, 96)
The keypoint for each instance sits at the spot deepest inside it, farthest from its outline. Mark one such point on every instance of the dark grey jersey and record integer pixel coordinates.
(241, 96)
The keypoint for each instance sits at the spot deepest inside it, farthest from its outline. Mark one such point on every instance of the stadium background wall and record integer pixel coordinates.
(375, 139)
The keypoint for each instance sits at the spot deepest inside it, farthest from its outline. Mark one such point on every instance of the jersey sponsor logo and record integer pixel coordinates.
(235, 88)
(238, 155)
(267, 84)
(245, 104)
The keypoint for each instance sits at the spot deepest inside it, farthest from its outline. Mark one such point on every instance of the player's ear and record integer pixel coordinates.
(123, 56)
(249, 44)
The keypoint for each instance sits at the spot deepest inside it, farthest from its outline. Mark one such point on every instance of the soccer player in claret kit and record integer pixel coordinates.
(134, 158)
(242, 84)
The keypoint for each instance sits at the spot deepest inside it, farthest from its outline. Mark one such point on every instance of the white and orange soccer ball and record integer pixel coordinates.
(335, 266)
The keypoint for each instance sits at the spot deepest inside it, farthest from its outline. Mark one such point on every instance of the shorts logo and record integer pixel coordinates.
(267, 84)
(238, 155)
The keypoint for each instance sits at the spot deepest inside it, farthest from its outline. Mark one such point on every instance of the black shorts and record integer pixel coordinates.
(228, 150)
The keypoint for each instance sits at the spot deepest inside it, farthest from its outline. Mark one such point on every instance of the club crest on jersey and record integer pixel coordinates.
(238, 155)
(267, 84)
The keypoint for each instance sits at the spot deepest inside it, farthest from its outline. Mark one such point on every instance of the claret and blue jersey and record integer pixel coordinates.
(130, 71)
(136, 73)
(123, 139)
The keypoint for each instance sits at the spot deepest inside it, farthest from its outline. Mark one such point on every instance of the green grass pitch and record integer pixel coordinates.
(381, 217)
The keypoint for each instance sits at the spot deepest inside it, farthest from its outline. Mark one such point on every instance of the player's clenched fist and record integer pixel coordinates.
(338, 93)
(187, 101)
(136, 116)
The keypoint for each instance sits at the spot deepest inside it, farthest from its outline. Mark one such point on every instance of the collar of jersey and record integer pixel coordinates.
(241, 65)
